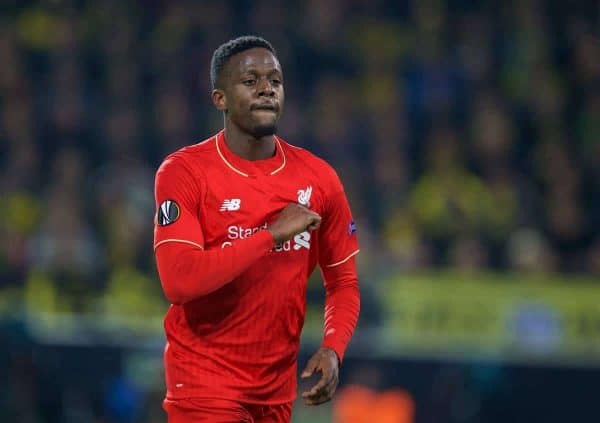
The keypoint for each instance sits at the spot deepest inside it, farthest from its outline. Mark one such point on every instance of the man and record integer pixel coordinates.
(242, 220)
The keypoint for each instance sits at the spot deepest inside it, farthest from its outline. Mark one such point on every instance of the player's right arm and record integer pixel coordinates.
(187, 270)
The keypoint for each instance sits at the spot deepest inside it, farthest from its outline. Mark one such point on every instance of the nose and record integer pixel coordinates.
(265, 88)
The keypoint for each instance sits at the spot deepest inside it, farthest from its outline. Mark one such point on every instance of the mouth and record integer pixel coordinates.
(265, 107)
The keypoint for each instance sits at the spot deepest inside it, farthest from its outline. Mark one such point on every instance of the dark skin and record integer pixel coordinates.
(326, 362)
(250, 94)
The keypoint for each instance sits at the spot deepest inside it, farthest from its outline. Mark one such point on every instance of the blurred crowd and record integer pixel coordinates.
(467, 136)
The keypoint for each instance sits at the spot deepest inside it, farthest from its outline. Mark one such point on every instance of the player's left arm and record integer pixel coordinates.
(338, 247)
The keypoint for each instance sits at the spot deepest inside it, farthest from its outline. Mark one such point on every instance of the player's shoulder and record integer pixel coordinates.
(191, 157)
(308, 160)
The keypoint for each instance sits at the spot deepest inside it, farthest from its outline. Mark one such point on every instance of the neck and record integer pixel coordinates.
(246, 146)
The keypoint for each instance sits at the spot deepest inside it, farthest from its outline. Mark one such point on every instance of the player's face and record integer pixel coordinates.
(254, 91)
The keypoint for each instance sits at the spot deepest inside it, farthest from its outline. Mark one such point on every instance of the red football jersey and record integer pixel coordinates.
(241, 340)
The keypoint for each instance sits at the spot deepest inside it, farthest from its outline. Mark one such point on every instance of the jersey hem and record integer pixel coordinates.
(223, 397)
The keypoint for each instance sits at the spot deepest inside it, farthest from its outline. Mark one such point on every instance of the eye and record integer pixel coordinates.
(276, 81)
(249, 82)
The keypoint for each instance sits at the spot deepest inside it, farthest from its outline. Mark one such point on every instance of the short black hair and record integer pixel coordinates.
(224, 52)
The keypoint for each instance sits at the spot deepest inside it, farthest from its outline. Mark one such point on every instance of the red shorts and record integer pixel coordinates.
(195, 410)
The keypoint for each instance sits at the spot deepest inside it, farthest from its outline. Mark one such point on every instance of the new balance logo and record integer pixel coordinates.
(304, 196)
(231, 205)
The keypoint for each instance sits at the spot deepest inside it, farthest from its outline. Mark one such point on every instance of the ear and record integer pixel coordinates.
(219, 100)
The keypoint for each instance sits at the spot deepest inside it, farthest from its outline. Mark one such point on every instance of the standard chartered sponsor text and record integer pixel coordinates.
(234, 232)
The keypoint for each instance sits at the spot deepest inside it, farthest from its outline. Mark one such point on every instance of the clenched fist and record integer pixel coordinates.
(292, 220)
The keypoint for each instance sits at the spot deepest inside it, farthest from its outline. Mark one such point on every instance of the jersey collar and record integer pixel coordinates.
(247, 168)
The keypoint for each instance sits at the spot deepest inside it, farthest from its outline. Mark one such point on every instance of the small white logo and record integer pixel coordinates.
(304, 196)
(231, 205)
(302, 240)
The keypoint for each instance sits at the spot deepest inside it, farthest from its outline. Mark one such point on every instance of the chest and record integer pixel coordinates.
(236, 207)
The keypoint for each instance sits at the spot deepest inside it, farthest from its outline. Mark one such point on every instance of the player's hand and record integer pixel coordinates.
(294, 219)
(326, 362)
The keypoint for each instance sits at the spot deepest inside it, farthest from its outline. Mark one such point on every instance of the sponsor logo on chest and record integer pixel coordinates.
(235, 232)
(298, 242)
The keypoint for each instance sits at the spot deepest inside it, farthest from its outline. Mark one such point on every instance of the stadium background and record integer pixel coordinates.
(467, 135)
